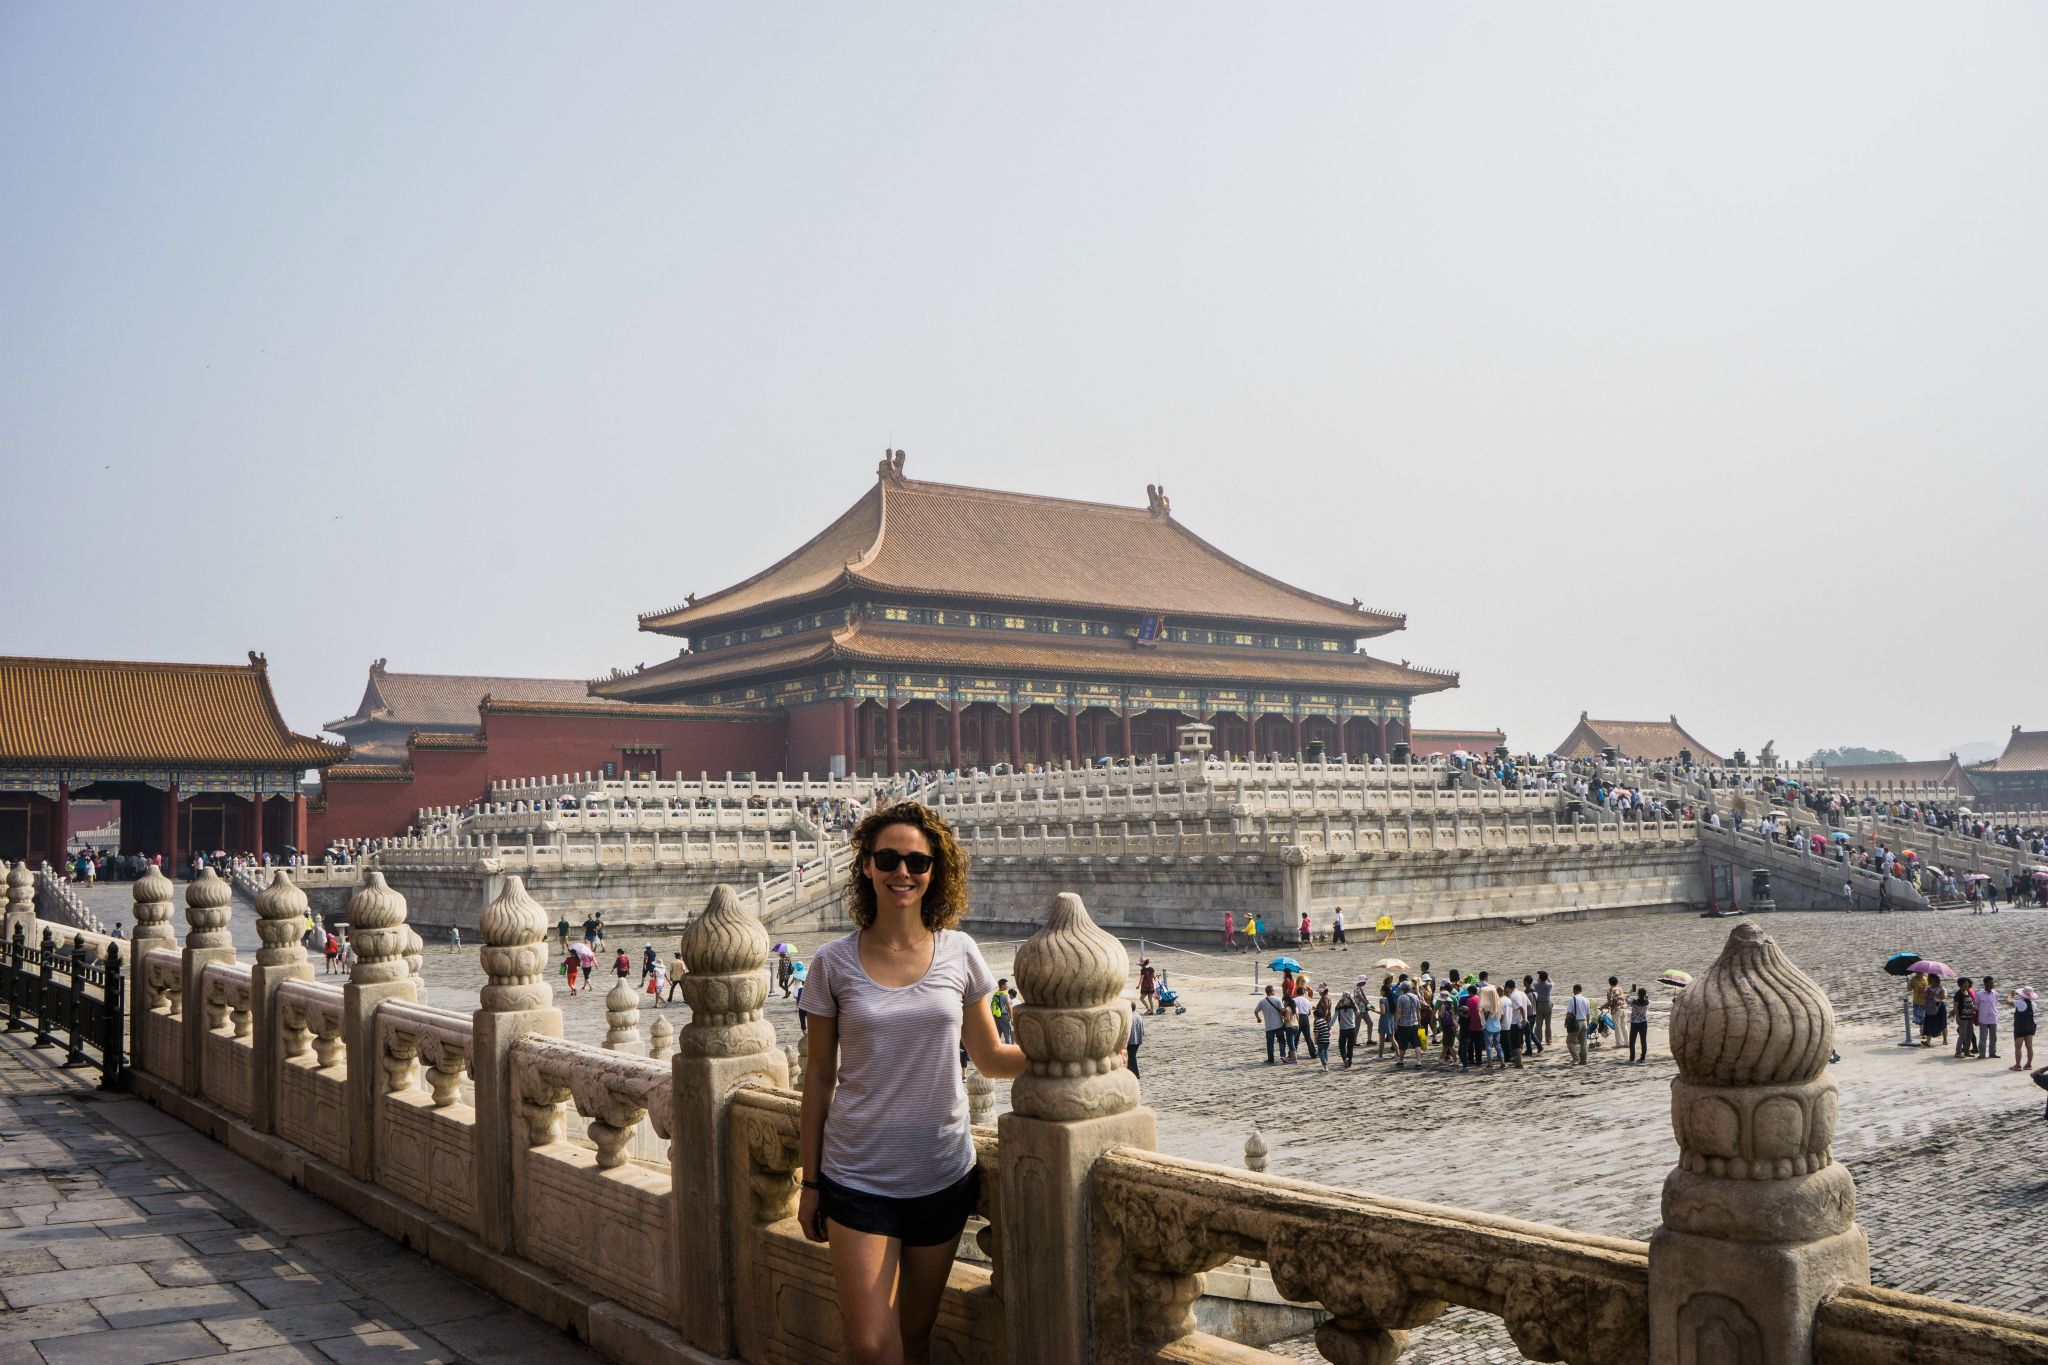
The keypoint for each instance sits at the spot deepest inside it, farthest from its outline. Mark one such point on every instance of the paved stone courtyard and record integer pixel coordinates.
(128, 1239)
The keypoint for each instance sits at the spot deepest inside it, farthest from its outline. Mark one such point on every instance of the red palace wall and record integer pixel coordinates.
(815, 738)
(522, 745)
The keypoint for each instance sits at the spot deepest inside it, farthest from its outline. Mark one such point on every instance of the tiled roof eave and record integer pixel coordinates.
(705, 618)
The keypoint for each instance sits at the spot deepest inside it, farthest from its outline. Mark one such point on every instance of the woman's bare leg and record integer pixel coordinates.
(922, 1282)
(864, 1274)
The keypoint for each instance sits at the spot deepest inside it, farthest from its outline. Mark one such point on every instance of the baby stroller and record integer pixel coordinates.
(1169, 996)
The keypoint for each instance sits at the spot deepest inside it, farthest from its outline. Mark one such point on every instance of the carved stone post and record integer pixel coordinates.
(21, 900)
(1758, 1216)
(516, 1001)
(377, 929)
(622, 1018)
(153, 893)
(1074, 1102)
(727, 1041)
(281, 923)
(206, 940)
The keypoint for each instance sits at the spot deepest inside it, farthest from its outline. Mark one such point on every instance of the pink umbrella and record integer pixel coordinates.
(1940, 969)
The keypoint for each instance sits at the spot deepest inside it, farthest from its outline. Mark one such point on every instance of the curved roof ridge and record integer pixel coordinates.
(651, 619)
(1401, 619)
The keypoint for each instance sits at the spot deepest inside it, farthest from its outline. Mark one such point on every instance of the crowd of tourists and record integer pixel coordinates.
(1470, 1020)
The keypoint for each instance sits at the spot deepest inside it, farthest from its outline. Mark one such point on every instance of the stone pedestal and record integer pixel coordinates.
(281, 915)
(1759, 1217)
(516, 1001)
(206, 940)
(376, 919)
(153, 897)
(727, 1041)
(1075, 1101)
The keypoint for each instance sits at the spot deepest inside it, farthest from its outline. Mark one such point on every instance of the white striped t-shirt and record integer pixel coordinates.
(898, 1122)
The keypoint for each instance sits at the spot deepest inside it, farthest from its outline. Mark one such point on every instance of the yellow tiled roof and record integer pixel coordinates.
(912, 538)
(118, 712)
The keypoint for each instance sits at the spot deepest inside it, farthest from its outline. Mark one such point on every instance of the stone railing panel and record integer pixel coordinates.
(624, 1246)
(1865, 1326)
(313, 1066)
(426, 1132)
(227, 1070)
(160, 1033)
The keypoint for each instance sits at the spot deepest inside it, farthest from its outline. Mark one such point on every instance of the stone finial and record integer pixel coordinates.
(153, 896)
(281, 922)
(661, 1039)
(622, 1014)
(206, 911)
(1753, 1019)
(1255, 1151)
(415, 951)
(1753, 1108)
(1072, 1025)
(981, 1095)
(725, 985)
(376, 920)
(514, 952)
(21, 889)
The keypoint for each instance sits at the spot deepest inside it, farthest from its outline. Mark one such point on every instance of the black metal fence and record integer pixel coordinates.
(70, 999)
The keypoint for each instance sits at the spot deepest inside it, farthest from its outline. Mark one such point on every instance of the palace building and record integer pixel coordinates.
(1656, 741)
(196, 756)
(939, 625)
(397, 706)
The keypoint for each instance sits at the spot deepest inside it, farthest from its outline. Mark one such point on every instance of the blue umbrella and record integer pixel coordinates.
(1283, 964)
(1839, 837)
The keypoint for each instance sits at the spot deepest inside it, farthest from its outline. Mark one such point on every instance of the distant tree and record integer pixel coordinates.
(1849, 755)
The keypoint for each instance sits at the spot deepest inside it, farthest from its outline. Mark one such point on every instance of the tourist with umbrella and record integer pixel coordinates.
(1933, 999)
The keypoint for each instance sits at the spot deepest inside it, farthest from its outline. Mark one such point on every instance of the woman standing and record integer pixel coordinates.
(1347, 1027)
(1936, 1003)
(1639, 1025)
(2022, 1029)
(1322, 1023)
(888, 1158)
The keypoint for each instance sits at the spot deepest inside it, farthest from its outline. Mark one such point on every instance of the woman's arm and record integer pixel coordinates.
(993, 1058)
(821, 1075)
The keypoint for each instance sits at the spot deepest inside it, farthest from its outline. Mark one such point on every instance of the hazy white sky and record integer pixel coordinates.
(1650, 360)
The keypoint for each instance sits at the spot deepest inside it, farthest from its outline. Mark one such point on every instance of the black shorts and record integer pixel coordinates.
(1409, 1035)
(926, 1220)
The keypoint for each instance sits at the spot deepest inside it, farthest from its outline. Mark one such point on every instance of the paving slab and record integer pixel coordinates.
(136, 1241)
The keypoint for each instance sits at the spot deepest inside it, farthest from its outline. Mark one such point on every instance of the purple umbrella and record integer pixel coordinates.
(1940, 969)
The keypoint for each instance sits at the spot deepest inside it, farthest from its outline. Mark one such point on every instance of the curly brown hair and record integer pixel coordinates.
(945, 902)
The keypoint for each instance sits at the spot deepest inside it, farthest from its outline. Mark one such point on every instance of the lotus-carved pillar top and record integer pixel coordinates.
(514, 952)
(1072, 1024)
(1754, 1109)
(281, 922)
(376, 929)
(726, 986)
(153, 900)
(206, 911)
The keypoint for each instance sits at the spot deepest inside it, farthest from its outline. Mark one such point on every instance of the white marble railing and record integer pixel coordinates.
(703, 788)
(1329, 836)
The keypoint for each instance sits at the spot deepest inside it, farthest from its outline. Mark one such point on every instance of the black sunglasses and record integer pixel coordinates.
(888, 860)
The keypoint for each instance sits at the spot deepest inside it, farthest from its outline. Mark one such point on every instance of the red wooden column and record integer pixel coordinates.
(1126, 713)
(60, 826)
(849, 732)
(1300, 730)
(953, 750)
(299, 824)
(171, 832)
(1016, 735)
(895, 754)
(1074, 736)
(1380, 729)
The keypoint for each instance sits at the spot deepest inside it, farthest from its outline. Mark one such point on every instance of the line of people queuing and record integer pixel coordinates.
(1470, 1020)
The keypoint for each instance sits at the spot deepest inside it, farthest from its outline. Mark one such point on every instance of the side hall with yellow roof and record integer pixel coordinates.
(196, 755)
